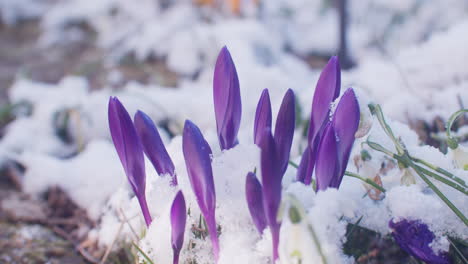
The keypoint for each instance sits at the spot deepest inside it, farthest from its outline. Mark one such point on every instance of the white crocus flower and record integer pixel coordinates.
(297, 243)
(407, 177)
(460, 157)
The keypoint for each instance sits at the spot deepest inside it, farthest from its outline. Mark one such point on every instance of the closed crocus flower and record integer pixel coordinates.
(130, 151)
(198, 162)
(284, 128)
(262, 120)
(326, 91)
(227, 100)
(153, 145)
(253, 193)
(414, 237)
(178, 219)
(336, 142)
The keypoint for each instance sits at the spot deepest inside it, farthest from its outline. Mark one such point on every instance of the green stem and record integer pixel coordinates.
(440, 170)
(429, 173)
(377, 111)
(142, 253)
(293, 164)
(368, 181)
(452, 141)
(439, 193)
(457, 250)
(317, 243)
(405, 159)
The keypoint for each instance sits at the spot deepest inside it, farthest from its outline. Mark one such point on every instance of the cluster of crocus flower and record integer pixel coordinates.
(414, 237)
(329, 145)
(131, 140)
(329, 141)
(264, 199)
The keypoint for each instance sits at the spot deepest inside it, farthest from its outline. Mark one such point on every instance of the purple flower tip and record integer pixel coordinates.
(153, 145)
(262, 117)
(130, 151)
(178, 219)
(326, 91)
(284, 129)
(253, 192)
(414, 237)
(198, 162)
(227, 100)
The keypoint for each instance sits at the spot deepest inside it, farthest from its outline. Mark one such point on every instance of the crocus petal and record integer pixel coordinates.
(414, 237)
(253, 192)
(326, 91)
(346, 123)
(284, 129)
(262, 117)
(327, 166)
(271, 191)
(227, 100)
(198, 162)
(178, 219)
(130, 151)
(153, 145)
(307, 164)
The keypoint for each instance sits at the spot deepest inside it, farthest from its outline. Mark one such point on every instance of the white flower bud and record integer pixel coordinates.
(407, 178)
(296, 242)
(366, 120)
(460, 157)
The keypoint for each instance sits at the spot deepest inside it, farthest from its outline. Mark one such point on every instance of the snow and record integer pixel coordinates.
(419, 76)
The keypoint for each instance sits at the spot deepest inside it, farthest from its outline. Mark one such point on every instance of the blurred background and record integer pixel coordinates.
(61, 59)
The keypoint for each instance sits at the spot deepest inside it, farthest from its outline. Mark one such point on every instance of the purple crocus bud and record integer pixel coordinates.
(198, 162)
(414, 237)
(271, 191)
(284, 129)
(262, 117)
(253, 192)
(178, 218)
(130, 151)
(227, 100)
(327, 166)
(153, 145)
(336, 142)
(346, 123)
(326, 91)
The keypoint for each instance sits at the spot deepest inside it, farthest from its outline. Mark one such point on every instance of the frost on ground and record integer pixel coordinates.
(71, 145)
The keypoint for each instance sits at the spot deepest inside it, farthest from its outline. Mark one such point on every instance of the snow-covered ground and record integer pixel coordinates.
(412, 60)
